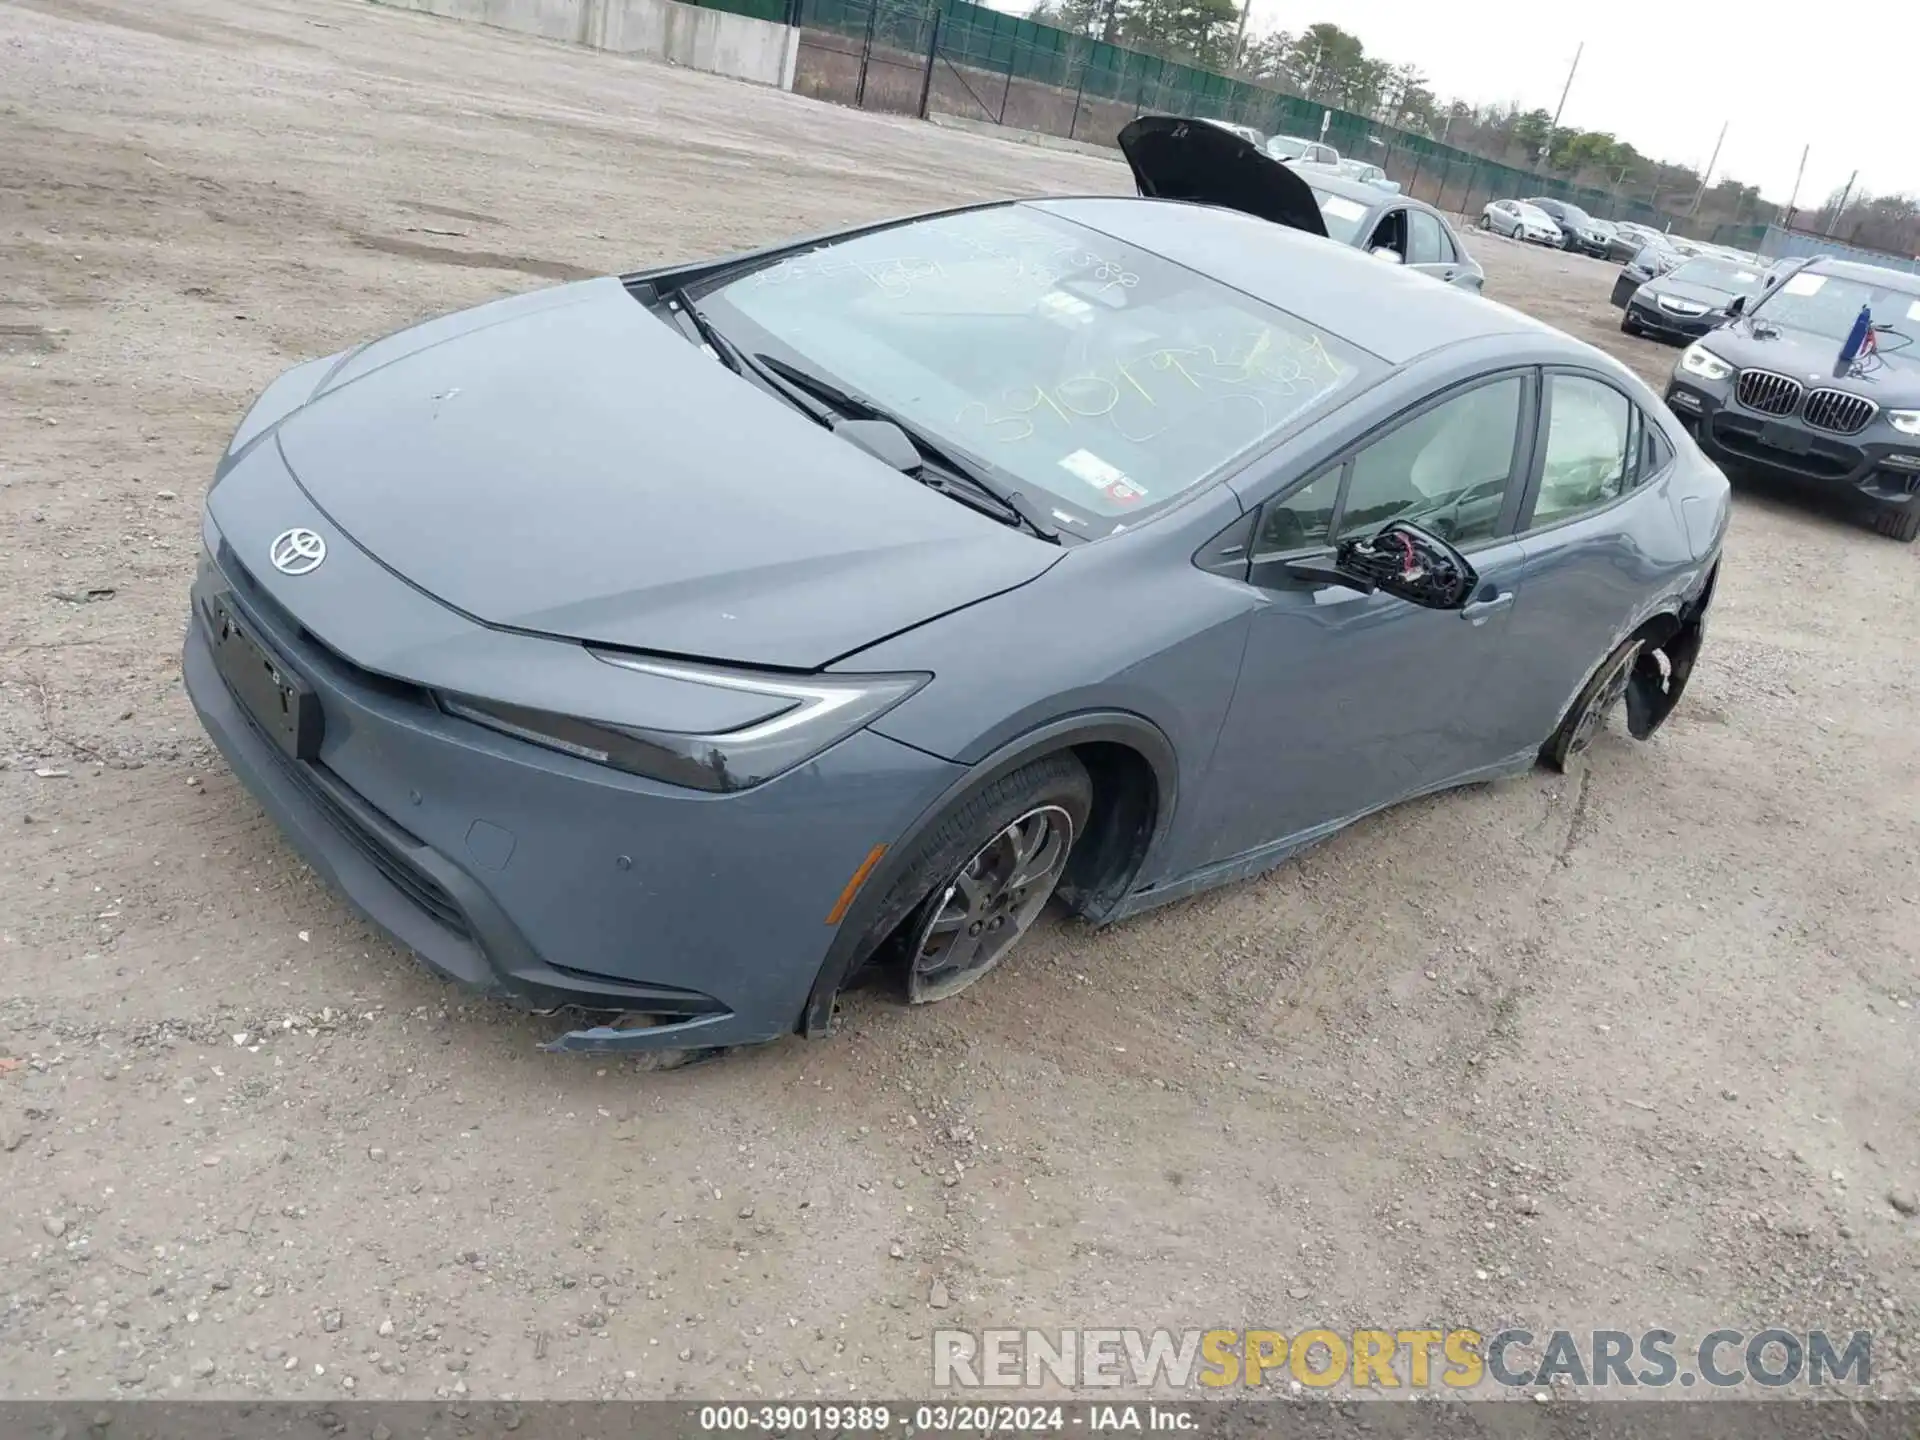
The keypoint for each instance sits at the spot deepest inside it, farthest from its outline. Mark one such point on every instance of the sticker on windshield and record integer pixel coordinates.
(1124, 492)
(1804, 284)
(1091, 468)
(1341, 208)
(1913, 311)
(1071, 309)
(1745, 277)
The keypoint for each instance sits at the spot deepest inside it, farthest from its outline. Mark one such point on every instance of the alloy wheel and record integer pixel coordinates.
(1607, 693)
(990, 903)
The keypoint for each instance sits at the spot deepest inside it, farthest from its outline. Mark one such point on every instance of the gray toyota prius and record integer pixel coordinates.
(670, 650)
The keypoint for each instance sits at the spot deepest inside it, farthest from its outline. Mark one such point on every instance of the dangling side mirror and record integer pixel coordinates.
(1738, 307)
(1387, 253)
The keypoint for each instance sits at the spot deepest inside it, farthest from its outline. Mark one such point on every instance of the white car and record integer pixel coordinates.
(1246, 132)
(1290, 148)
(1518, 220)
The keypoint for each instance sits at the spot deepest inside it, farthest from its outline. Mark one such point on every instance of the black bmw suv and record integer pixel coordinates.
(1771, 390)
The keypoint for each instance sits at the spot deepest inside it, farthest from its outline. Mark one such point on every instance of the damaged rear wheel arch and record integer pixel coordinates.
(1671, 646)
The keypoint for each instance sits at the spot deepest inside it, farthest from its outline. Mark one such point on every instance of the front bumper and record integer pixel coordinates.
(1876, 464)
(1650, 317)
(530, 875)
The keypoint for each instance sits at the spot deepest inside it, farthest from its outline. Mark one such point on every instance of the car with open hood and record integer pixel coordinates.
(1816, 380)
(1174, 159)
(1692, 298)
(665, 651)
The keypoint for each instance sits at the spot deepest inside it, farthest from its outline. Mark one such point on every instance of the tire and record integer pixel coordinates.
(1899, 522)
(1590, 708)
(967, 917)
(1628, 324)
(1486, 223)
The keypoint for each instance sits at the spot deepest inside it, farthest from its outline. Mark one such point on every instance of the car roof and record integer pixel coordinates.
(1884, 276)
(1393, 313)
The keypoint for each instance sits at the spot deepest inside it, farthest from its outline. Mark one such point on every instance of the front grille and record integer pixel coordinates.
(1767, 393)
(1838, 411)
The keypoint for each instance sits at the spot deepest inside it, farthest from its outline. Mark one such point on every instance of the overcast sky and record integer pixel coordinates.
(1665, 76)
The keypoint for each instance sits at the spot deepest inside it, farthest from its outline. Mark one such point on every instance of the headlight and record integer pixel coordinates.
(803, 716)
(1907, 422)
(1698, 360)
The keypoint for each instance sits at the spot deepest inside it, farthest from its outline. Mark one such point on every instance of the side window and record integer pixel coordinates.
(1302, 521)
(1423, 239)
(1446, 468)
(1449, 252)
(1591, 450)
(1656, 454)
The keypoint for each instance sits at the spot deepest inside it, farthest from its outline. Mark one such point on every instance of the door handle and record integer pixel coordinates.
(1482, 610)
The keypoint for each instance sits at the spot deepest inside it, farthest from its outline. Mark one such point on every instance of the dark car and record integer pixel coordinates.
(672, 647)
(1578, 230)
(1772, 390)
(1174, 159)
(1629, 239)
(1690, 299)
(1655, 258)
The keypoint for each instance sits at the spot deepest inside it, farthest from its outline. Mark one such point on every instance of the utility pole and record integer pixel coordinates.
(1786, 221)
(1840, 209)
(1707, 175)
(1240, 35)
(1565, 88)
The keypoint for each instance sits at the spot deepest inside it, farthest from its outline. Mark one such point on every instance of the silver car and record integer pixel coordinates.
(1175, 159)
(1517, 220)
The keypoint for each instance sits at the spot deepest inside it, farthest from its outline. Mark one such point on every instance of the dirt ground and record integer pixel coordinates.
(1633, 1049)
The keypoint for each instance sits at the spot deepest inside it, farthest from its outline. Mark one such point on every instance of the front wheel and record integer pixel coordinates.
(1588, 713)
(1900, 522)
(1486, 223)
(992, 866)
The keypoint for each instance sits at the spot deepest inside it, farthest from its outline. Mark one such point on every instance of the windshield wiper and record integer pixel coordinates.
(1011, 504)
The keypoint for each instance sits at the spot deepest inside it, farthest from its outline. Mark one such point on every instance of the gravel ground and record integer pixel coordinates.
(1636, 1048)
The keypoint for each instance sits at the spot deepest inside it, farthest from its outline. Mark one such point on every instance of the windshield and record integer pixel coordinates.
(1100, 380)
(1728, 275)
(1342, 217)
(1828, 306)
(1531, 212)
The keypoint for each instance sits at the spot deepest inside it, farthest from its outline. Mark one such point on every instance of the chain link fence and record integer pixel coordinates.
(955, 58)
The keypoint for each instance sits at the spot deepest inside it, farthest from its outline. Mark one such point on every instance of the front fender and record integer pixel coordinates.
(876, 910)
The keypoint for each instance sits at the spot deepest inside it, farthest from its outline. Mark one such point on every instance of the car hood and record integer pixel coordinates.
(1174, 158)
(1711, 296)
(566, 463)
(1893, 380)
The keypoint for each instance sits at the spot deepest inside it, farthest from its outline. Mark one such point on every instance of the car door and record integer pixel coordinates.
(1505, 218)
(1428, 249)
(1598, 533)
(1347, 701)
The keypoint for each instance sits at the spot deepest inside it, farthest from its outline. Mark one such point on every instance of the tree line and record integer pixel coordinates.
(1328, 65)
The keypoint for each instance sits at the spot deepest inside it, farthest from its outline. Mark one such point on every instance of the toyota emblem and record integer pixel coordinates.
(297, 551)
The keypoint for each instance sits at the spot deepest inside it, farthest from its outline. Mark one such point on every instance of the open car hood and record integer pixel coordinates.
(1175, 158)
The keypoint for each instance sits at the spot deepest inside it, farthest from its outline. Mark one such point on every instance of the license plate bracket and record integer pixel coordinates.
(1777, 435)
(279, 701)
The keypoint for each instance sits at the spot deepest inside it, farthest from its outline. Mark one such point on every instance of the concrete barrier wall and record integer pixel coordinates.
(689, 35)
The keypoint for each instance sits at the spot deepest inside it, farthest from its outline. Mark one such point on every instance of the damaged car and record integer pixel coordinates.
(1174, 159)
(669, 652)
